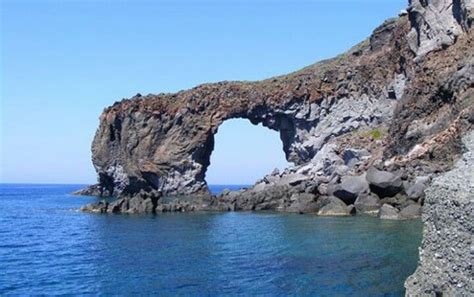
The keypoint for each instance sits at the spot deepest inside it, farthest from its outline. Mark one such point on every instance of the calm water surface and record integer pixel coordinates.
(46, 247)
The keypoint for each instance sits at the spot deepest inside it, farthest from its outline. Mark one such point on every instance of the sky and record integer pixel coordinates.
(63, 62)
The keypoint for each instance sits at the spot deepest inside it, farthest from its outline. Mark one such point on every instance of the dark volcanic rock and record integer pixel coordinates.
(350, 188)
(303, 203)
(383, 183)
(332, 206)
(99, 207)
(368, 203)
(92, 190)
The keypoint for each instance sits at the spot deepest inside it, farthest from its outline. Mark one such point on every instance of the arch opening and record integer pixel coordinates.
(243, 153)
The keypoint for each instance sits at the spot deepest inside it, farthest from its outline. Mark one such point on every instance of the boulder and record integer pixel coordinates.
(351, 209)
(384, 183)
(388, 212)
(367, 203)
(352, 156)
(399, 200)
(99, 207)
(124, 206)
(350, 188)
(411, 211)
(292, 179)
(303, 203)
(270, 205)
(416, 191)
(272, 179)
(333, 206)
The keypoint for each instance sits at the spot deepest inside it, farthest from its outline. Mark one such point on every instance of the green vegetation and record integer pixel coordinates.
(376, 134)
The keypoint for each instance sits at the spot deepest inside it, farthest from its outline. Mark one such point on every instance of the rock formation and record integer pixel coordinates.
(367, 132)
(447, 249)
(410, 84)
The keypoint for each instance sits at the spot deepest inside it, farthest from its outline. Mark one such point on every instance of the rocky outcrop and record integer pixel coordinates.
(446, 254)
(164, 141)
(401, 97)
(369, 127)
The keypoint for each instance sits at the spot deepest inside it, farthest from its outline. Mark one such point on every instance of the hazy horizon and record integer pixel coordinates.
(62, 63)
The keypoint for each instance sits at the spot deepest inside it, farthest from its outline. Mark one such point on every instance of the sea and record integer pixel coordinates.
(48, 247)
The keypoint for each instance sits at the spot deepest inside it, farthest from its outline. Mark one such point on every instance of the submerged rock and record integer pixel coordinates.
(99, 207)
(333, 206)
(388, 212)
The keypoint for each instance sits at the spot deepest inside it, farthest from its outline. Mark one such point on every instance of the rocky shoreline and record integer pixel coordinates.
(378, 193)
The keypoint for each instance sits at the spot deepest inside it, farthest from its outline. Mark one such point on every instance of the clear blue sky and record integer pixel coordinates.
(62, 62)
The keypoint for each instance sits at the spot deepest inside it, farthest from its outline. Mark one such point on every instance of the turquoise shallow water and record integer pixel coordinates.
(46, 247)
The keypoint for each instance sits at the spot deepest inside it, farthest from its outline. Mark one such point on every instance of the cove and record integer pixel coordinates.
(49, 248)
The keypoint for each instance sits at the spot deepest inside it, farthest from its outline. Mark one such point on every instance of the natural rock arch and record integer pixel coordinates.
(171, 151)
(164, 141)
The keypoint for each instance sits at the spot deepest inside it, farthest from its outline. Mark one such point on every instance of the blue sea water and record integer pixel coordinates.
(47, 247)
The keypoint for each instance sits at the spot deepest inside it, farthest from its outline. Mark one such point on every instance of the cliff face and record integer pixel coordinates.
(413, 75)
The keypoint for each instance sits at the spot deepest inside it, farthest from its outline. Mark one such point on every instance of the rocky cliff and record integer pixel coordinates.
(366, 130)
(412, 78)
